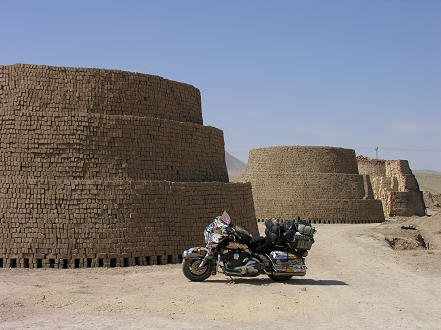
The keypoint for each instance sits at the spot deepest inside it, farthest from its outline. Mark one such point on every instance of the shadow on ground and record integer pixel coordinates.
(267, 281)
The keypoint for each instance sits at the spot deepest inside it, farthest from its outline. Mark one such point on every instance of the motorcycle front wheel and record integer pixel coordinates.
(191, 270)
(280, 278)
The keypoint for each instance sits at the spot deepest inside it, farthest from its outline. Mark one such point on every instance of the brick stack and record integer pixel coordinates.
(395, 185)
(107, 168)
(320, 184)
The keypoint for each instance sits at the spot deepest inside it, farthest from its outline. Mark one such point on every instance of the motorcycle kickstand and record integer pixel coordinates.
(231, 280)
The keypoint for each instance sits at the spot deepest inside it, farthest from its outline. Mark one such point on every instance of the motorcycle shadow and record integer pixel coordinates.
(267, 281)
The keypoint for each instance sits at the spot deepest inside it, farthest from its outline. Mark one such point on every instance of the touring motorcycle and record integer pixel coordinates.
(233, 250)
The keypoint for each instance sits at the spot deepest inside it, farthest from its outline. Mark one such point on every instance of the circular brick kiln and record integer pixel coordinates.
(320, 184)
(107, 168)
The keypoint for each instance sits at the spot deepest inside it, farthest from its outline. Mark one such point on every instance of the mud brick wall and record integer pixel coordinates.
(287, 159)
(320, 184)
(70, 223)
(87, 146)
(111, 92)
(394, 183)
(104, 168)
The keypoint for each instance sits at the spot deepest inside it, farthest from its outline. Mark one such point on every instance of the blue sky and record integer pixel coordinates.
(354, 74)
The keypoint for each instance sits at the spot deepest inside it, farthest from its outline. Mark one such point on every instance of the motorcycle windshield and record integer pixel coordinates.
(226, 220)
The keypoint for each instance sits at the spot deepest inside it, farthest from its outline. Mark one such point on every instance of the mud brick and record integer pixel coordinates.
(394, 184)
(319, 184)
(99, 177)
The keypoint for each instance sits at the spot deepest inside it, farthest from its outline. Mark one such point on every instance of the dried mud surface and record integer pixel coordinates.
(355, 280)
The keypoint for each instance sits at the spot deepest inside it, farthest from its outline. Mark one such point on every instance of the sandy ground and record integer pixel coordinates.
(355, 280)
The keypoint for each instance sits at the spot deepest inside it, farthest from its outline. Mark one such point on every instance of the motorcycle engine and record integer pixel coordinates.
(239, 262)
(234, 258)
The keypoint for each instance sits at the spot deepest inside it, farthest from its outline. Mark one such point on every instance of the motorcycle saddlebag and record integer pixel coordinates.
(287, 263)
(302, 242)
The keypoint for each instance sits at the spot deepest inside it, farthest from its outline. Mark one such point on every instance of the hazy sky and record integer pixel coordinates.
(355, 74)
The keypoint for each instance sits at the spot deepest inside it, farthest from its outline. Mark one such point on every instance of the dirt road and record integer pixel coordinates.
(354, 281)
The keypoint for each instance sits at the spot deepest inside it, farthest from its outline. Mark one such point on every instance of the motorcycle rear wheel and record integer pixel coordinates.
(191, 270)
(280, 278)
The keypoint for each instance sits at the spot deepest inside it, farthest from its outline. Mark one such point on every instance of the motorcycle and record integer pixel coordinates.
(233, 251)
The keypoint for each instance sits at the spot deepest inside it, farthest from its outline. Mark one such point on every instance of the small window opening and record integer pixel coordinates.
(39, 263)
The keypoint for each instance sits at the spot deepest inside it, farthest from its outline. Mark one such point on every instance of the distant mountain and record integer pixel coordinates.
(427, 172)
(235, 166)
(429, 180)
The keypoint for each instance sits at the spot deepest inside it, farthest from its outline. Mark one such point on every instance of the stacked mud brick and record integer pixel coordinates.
(320, 184)
(395, 185)
(107, 168)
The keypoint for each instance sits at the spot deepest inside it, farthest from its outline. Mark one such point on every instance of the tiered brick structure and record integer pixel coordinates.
(107, 168)
(393, 182)
(320, 184)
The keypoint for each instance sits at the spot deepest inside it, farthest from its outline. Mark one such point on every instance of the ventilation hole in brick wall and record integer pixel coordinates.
(113, 262)
(313, 221)
(39, 263)
(52, 263)
(65, 263)
(1, 262)
(136, 261)
(77, 263)
(126, 262)
(26, 263)
(100, 262)
(180, 257)
(169, 259)
(89, 262)
(145, 98)
(159, 260)
(13, 263)
(148, 260)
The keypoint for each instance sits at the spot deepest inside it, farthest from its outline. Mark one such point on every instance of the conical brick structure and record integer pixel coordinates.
(107, 168)
(320, 184)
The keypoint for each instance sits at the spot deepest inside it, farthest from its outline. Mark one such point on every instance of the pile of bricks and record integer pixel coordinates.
(103, 168)
(319, 184)
(395, 185)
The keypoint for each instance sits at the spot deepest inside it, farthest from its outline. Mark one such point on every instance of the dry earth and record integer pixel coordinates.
(429, 181)
(355, 280)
